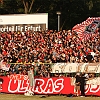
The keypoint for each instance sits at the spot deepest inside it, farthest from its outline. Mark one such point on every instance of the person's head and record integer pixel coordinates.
(78, 73)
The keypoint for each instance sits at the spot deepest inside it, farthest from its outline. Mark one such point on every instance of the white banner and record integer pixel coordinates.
(76, 67)
(24, 22)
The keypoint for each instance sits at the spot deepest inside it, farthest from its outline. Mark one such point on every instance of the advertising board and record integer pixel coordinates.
(24, 22)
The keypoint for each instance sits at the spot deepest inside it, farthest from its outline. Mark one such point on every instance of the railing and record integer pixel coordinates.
(54, 69)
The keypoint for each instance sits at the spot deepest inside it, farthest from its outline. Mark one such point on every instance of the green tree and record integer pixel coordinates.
(28, 5)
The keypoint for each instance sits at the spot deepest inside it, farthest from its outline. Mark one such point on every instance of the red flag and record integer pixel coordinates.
(87, 28)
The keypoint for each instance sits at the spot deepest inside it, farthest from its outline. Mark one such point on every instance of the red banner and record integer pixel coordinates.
(16, 84)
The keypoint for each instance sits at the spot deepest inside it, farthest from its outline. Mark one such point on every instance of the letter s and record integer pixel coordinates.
(58, 85)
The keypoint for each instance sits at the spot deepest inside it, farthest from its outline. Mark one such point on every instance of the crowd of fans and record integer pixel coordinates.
(38, 50)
